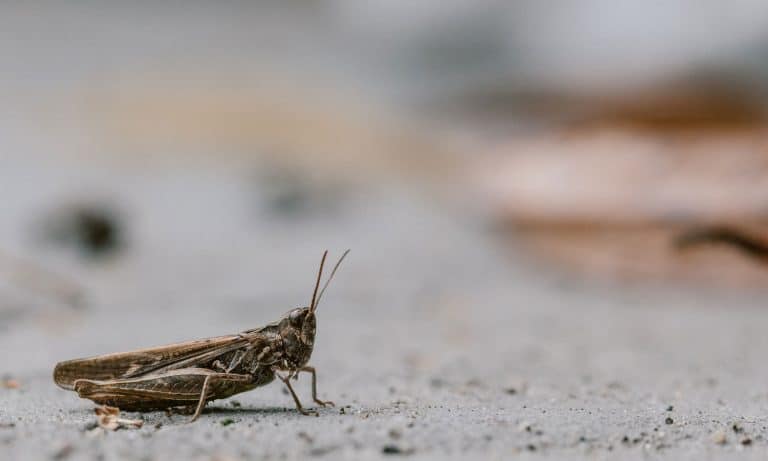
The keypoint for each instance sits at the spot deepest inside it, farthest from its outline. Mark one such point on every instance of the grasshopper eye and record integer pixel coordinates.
(296, 315)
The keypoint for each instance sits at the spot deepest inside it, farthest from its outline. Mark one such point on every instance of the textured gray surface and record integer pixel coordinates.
(434, 339)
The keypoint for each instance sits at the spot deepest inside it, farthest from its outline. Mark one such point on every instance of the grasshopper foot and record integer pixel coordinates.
(324, 403)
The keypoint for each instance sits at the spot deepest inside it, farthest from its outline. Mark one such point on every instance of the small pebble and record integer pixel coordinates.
(437, 382)
(719, 437)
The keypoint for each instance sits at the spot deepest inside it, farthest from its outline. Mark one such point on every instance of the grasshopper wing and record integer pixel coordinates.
(126, 365)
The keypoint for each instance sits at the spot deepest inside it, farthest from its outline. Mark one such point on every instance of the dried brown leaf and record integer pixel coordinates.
(109, 418)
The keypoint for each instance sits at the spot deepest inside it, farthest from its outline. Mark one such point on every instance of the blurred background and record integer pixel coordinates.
(557, 213)
(180, 167)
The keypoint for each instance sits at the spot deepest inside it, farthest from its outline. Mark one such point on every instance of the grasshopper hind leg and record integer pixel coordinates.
(203, 399)
(191, 387)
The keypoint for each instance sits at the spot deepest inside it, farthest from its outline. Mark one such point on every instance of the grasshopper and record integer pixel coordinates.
(193, 373)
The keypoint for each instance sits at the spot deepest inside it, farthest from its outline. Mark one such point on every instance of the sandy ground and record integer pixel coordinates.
(435, 341)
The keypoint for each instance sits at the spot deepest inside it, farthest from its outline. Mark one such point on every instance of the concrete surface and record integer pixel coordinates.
(435, 341)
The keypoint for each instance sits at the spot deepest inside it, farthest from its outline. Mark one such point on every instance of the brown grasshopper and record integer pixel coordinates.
(196, 372)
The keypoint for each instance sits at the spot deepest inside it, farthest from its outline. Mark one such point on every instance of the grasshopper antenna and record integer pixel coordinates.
(327, 282)
(313, 305)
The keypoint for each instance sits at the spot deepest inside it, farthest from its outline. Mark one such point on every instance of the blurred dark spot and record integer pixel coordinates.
(97, 231)
(669, 420)
(749, 245)
(90, 426)
(64, 452)
(227, 421)
(10, 314)
(322, 451)
(395, 450)
(704, 101)
(437, 382)
(290, 194)
(93, 230)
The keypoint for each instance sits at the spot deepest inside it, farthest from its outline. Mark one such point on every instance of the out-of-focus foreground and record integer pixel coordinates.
(556, 218)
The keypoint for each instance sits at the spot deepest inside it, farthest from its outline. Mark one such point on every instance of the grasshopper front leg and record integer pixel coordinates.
(287, 380)
(314, 387)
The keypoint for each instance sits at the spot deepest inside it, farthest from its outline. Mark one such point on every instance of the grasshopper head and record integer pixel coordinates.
(298, 327)
(298, 332)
